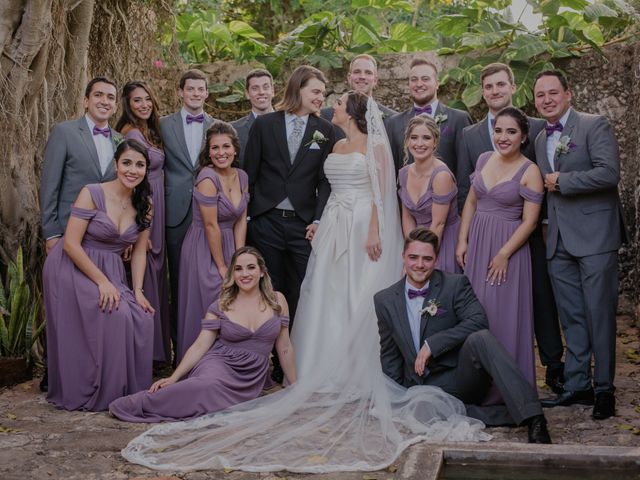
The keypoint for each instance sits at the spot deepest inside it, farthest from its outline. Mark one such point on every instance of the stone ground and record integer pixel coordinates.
(38, 441)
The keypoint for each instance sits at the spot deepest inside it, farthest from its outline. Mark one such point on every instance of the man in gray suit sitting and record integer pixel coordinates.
(433, 331)
(423, 89)
(578, 157)
(258, 86)
(498, 88)
(78, 152)
(363, 78)
(182, 135)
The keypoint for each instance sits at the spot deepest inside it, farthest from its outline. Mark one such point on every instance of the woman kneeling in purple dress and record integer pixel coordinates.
(229, 361)
(99, 331)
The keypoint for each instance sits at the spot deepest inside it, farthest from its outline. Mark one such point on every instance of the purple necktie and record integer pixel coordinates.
(556, 127)
(195, 118)
(102, 131)
(417, 293)
(421, 110)
(493, 122)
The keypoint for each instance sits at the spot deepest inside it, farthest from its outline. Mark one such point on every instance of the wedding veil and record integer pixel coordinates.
(346, 416)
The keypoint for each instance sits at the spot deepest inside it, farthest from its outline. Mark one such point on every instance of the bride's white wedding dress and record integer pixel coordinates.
(344, 414)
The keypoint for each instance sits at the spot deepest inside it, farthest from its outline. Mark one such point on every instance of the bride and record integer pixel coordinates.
(343, 414)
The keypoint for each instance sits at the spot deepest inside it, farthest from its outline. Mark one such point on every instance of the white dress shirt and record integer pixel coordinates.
(104, 146)
(193, 135)
(414, 305)
(552, 141)
(288, 123)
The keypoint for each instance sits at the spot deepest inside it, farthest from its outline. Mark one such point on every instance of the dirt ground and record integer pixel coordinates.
(39, 441)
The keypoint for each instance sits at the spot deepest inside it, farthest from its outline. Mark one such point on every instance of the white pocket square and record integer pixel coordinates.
(314, 146)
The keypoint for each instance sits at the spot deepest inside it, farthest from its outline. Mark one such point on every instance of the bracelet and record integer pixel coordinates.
(139, 288)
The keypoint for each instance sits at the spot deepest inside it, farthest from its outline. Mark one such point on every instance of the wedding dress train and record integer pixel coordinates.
(343, 414)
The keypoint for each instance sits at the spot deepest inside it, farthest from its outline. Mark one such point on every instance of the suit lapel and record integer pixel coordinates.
(403, 319)
(434, 292)
(567, 131)
(280, 135)
(178, 132)
(541, 152)
(485, 139)
(87, 139)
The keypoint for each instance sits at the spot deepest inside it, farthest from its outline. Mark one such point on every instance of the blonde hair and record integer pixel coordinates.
(230, 289)
(418, 120)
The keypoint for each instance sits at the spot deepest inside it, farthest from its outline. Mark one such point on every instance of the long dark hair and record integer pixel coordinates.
(218, 128)
(230, 289)
(150, 128)
(141, 196)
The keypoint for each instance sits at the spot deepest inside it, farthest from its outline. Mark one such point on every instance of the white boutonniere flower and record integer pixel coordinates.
(317, 137)
(432, 308)
(117, 138)
(565, 145)
(440, 118)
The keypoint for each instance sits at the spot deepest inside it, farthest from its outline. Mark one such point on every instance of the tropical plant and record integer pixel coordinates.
(477, 31)
(20, 313)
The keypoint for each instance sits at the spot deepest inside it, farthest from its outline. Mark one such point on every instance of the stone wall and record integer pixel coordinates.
(610, 87)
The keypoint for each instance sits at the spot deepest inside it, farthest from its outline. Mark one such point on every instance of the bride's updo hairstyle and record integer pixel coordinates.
(418, 120)
(357, 109)
(230, 289)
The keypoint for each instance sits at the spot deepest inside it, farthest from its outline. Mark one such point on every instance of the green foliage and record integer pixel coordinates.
(19, 313)
(328, 32)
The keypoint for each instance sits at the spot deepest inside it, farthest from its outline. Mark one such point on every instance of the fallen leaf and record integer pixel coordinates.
(11, 416)
(369, 477)
(317, 459)
(228, 470)
(393, 468)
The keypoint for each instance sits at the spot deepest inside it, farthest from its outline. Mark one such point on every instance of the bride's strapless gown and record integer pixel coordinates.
(343, 414)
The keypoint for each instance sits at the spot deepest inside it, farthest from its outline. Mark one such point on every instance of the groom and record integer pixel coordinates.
(433, 331)
(284, 161)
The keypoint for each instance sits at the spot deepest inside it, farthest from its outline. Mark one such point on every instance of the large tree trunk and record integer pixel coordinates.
(49, 49)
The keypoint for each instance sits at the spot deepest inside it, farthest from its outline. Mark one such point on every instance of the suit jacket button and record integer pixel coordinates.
(191, 190)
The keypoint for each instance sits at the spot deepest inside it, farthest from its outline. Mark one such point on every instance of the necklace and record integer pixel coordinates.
(124, 204)
(228, 184)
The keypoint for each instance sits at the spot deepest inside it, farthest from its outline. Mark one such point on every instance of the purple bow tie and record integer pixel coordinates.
(102, 131)
(556, 127)
(195, 118)
(421, 110)
(417, 293)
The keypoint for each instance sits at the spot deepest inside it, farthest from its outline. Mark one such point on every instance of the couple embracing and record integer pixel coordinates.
(350, 408)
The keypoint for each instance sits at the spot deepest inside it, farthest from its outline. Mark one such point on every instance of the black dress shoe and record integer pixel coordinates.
(554, 379)
(277, 375)
(605, 406)
(538, 432)
(44, 383)
(582, 397)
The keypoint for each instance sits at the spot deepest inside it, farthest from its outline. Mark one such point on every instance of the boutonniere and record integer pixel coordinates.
(317, 137)
(117, 137)
(432, 308)
(440, 118)
(565, 145)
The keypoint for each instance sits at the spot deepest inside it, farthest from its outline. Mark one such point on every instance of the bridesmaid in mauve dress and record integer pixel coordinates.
(98, 329)
(499, 214)
(140, 121)
(428, 191)
(229, 361)
(218, 228)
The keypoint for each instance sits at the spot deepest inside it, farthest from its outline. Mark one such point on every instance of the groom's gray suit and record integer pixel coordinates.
(179, 176)
(585, 231)
(465, 356)
(70, 162)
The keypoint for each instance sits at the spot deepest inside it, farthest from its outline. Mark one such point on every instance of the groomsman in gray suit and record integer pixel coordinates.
(182, 134)
(423, 88)
(259, 91)
(578, 156)
(78, 152)
(498, 88)
(363, 78)
(433, 331)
